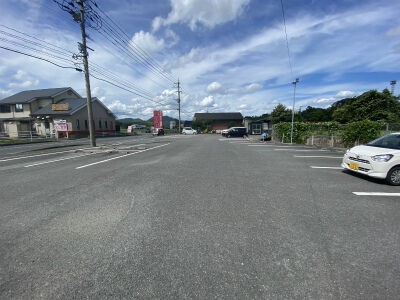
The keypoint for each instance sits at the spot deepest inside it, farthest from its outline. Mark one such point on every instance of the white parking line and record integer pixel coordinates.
(55, 160)
(302, 150)
(106, 160)
(376, 194)
(317, 156)
(334, 168)
(37, 155)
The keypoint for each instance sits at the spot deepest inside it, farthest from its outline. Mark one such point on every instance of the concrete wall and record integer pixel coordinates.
(325, 141)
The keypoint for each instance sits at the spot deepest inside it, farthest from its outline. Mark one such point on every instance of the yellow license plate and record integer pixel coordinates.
(353, 166)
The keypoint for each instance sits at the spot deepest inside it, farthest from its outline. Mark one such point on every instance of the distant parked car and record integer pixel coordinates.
(158, 131)
(188, 130)
(379, 158)
(236, 132)
(224, 131)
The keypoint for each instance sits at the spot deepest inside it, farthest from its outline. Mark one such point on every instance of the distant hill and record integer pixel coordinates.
(130, 120)
(165, 120)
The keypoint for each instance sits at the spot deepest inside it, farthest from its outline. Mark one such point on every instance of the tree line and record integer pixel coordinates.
(371, 105)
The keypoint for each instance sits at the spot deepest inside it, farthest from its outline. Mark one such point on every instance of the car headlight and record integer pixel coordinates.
(382, 157)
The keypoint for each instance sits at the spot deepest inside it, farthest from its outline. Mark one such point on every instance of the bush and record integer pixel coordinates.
(361, 132)
(302, 130)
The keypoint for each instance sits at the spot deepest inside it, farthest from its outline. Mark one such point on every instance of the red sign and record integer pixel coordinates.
(157, 117)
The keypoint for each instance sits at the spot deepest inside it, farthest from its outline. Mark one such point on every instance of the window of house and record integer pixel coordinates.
(86, 124)
(99, 123)
(256, 128)
(105, 124)
(5, 108)
(111, 125)
(77, 124)
(19, 108)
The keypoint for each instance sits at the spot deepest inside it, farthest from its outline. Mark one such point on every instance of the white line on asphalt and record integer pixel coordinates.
(37, 155)
(334, 168)
(376, 194)
(261, 145)
(302, 150)
(317, 156)
(55, 160)
(106, 160)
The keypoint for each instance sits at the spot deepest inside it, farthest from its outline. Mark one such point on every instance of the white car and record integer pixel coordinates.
(224, 131)
(188, 130)
(379, 158)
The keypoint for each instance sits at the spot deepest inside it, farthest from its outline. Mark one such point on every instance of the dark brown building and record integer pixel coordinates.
(219, 121)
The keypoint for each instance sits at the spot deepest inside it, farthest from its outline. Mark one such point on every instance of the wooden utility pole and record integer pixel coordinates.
(179, 105)
(87, 79)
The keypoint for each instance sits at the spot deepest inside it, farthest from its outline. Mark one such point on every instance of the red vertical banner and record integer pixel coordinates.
(157, 118)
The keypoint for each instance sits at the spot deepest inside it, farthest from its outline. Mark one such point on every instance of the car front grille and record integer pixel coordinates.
(364, 161)
(363, 169)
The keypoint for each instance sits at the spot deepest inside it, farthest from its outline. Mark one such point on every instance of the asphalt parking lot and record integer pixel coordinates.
(194, 217)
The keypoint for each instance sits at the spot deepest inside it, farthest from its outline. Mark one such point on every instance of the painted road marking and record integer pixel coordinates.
(262, 145)
(334, 168)
(316, 156)
(56, 160)
(302, 150)
(129, 154)
(376, 194)
(37, 155)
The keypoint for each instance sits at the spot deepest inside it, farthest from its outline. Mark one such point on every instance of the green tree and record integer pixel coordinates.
(361, 132)
(313, 114)
(281, 114)
(371, 105)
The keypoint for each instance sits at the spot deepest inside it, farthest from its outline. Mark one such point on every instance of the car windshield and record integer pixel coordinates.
(391, 141)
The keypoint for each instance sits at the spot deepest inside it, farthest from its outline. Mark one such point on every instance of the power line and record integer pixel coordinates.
(45, 45)
(139, 49)
(115, 35)
(287, 41)
(41, 58)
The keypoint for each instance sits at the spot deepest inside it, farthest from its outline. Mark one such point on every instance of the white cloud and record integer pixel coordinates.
(214, 87)
(4, 94)
(148, 42)
(20, 75)
(328, 99)
(207, 101)
(24, 80)
(253, 87)
(346, 94)
(206, 12)
(393, 32)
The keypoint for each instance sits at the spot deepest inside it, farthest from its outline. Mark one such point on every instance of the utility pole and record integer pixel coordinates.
(86, 69)
(295, 82)
(179, 105)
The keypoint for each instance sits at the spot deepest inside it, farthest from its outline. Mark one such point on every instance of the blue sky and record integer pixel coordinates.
(229, 55)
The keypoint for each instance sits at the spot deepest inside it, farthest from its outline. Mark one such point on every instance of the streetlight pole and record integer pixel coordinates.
(294, 100)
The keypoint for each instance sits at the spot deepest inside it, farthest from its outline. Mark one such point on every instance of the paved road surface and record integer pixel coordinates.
(194, 217)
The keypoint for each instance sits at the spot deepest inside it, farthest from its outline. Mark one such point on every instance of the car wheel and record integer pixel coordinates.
(228, 136)
(393, 176)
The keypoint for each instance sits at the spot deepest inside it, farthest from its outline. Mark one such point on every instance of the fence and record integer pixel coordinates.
(313, 135)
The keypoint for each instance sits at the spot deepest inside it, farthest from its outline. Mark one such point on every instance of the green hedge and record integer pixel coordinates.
(302, 130)
(361, 132)
(351, 133)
